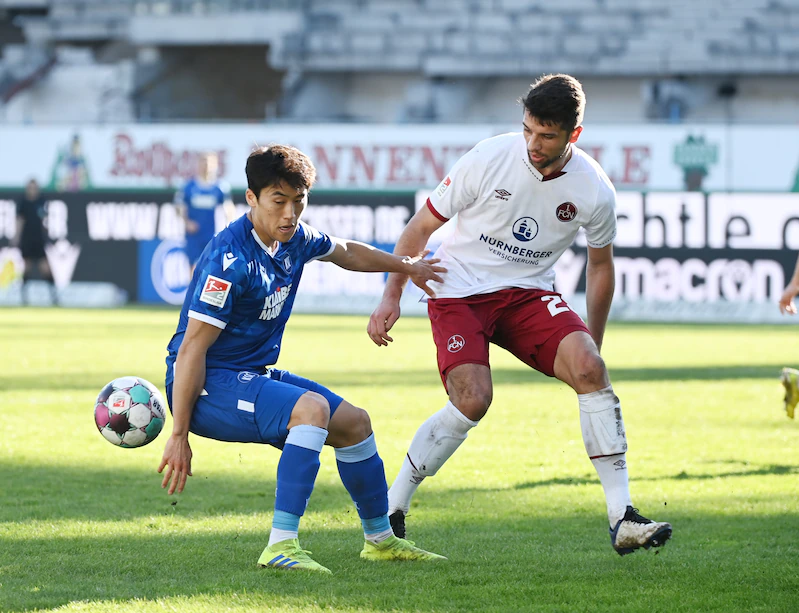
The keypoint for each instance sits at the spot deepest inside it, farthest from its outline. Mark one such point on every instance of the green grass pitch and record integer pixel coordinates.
(85, 526)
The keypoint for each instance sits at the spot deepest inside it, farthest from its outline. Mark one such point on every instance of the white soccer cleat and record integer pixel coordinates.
(634, 531)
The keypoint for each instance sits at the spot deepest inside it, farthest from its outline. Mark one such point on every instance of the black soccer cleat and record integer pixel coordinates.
(634, 531)
(397, 521)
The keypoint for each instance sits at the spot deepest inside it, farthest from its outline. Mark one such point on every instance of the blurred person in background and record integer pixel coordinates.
(197, 202)
(31, 237)
(220, 383)
(790, 376)
(520, 199)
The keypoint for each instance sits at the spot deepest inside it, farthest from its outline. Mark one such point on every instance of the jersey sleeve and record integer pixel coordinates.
(222, 279)
(316, 244)
(601, 229)
(459, 188)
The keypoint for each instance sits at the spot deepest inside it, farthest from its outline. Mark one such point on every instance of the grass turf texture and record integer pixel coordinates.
(85, 526)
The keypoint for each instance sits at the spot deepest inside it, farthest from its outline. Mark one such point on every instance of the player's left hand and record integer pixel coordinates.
(423, 271)
(177, 455)
(786, 302)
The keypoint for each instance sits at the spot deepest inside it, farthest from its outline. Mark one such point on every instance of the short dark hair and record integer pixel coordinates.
(273, 164)
(556, 99)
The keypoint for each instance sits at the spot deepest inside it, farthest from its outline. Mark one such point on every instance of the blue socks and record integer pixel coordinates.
(296, 474)
(362, 473)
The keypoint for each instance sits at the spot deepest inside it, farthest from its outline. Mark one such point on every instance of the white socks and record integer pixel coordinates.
(278, 535)
(606, 444)
(612, 471)
(432, 445)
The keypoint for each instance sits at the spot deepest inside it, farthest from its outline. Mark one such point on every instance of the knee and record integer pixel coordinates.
(311, 409)
(360, 426)
(589, 370)
(472, 399)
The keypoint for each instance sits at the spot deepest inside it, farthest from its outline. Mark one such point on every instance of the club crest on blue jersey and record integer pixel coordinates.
(287, 263)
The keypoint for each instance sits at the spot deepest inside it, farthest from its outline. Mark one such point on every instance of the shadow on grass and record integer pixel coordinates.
(37, 492)
(428, 376)
(768, 469)
(562, 564)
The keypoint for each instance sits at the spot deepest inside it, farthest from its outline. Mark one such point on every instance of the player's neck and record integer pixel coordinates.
(270, 243)
(558, 164)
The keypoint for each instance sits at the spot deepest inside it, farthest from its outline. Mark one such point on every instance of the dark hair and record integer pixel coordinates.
(273, 164)
(556, 99)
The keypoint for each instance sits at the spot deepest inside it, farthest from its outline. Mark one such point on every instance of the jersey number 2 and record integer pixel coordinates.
(553, 307)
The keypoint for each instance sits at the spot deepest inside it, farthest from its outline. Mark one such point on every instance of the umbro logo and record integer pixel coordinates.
(502, 194)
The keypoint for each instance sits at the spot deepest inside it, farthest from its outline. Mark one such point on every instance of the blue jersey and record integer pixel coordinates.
(201, 200)
(242, 287)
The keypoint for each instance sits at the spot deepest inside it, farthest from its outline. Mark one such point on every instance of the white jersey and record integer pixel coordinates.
(512, 223)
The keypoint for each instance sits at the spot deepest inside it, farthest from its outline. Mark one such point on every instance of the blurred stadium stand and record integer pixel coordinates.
(396, 60)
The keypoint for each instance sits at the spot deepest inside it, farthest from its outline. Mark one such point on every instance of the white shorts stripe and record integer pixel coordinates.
(243, 405)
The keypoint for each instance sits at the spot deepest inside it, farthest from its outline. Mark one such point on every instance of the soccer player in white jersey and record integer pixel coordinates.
(520, 199)
(219, 380)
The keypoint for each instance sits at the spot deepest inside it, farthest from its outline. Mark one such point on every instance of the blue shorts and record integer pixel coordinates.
(245, 407)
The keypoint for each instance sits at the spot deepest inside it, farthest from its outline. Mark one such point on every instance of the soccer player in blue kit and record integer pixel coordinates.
(199, 199)
(219, 380)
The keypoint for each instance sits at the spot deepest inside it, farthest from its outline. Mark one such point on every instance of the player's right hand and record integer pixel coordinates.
(177, 456)
(383, 318)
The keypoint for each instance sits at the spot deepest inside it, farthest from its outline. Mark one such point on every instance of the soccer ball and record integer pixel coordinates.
(129, 412)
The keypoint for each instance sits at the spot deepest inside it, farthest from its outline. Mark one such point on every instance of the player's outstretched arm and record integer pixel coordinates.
(186, 388)
(789, 293)
(600, 282)
(412, 240)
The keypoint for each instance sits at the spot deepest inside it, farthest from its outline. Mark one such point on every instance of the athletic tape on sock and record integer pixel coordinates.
(438, 438)
(602, 423)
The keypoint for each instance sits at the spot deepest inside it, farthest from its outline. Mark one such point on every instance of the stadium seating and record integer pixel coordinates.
(688, 48)
(610, 37)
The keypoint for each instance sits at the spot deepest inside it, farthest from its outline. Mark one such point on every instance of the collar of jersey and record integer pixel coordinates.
(271, 252)
(538, 176)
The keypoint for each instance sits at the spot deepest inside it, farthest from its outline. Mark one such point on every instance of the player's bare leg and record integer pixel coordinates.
(470, 391)
(579, 364)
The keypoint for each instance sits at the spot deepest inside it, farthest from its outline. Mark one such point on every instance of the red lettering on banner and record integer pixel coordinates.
(323, 161)
(636, 165)
(368, 165)
(398, 171)
(384, 166)
(431, 164)
(158, 160)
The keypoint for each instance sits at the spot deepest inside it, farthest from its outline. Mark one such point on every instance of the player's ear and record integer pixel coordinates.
(575, 134)
(250, 197)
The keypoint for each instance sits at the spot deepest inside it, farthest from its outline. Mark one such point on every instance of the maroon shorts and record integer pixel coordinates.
(527, 322)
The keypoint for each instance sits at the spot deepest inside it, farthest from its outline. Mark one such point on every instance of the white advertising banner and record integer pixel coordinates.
(391, 157)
